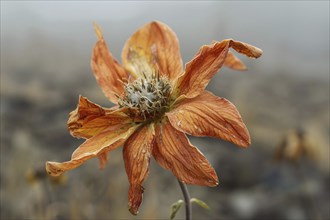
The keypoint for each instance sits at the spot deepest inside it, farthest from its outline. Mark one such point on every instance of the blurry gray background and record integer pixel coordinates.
(283, 98)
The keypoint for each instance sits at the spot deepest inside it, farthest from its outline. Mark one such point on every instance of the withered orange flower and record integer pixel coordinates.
(157, 103)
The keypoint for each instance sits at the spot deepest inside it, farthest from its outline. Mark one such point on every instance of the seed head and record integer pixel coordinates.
(148, 96)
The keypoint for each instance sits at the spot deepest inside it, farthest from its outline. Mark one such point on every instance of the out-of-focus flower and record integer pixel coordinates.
(157, 103)
(294, 146)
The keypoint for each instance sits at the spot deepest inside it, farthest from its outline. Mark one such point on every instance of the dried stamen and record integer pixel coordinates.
(148, 96)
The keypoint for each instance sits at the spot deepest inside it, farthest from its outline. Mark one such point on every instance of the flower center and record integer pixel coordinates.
(147, 97)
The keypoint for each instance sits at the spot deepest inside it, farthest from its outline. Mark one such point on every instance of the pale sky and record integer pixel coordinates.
(294, 34)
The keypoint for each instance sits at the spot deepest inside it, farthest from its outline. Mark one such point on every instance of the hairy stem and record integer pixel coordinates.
(186, 197)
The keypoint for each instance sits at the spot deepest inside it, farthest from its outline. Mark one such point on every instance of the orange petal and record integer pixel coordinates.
(137, 151)
(154, 44)
(89, 119)
(93, 147)
(244, 48)
(206, 63)
(108, 72)
(233, 62)
(209, 115)
(174, 152)
(103, 159)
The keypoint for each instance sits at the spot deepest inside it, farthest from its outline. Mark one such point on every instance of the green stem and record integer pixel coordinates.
(186, 197)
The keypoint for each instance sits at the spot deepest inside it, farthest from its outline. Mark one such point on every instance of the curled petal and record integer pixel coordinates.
(173, 151)
(209, 115)
(135, 193)
(93, 147)
(103, 159)
(233, 62)
(153, 45)
(109, 74)
(206, 63)
(244, 48)
(89, 119)
(137, 151)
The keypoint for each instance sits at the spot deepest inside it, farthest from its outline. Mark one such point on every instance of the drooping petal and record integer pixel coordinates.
(206, 63)
(109, 74)
(93, 147)
(209, 115)
(137, 151)
(89, 119)
(174, 152)
(154, 44)
(103, 159)
(233, 62)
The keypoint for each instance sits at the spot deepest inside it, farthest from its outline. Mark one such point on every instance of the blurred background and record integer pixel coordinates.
(283, 99)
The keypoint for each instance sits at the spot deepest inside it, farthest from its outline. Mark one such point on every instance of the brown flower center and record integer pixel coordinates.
(148, 97)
